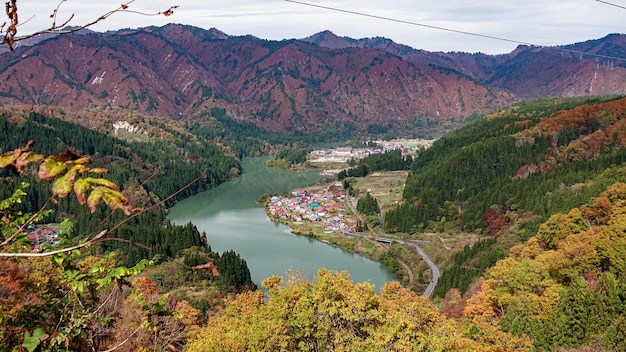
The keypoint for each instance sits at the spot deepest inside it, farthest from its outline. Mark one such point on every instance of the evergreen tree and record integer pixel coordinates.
(572, 316)
(368, 205)
(234, 272)
(607, 304)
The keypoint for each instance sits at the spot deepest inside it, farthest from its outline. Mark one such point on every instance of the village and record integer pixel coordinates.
(337, 159)
(304, 205)
(43, 235)
(324, 206)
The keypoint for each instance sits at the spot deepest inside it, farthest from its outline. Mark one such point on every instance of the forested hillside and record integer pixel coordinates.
(149, 171)
(565, 286)
(513, 160)
(83, 299)
(503, 175)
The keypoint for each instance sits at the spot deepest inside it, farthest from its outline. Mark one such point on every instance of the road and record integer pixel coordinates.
(433, 267)
(411, 244)
(408, 270)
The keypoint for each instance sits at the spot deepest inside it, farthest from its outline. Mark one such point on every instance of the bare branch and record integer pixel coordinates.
(127, 192)
(123, 240)
(64, 250)
(126, 340)
(24, 225)
(10, 33)
(156, 205)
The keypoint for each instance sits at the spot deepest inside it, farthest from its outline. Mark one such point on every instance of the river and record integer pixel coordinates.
(231, 219)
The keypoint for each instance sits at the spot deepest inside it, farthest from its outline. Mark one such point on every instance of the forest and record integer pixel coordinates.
(88, 298)
(540, 183)
(504, 174)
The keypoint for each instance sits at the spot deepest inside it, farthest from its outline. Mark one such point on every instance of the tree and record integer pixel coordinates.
(60, 299)
(607, 304)
(234, 272)
(572, 316)
(10, 30)
(331, 314)
(368, 205)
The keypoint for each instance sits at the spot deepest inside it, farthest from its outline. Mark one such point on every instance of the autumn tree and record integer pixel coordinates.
(564, 287)
(331, 314)
(56, 298)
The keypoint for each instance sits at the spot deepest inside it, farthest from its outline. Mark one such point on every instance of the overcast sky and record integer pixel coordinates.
(540, 22)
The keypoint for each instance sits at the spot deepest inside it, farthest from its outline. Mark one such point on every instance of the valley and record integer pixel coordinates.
(151, 146)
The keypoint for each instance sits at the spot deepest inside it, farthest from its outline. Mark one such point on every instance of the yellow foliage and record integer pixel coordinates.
(568, 248)
(331, 314)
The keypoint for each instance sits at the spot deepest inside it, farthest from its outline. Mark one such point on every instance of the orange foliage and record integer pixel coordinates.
(13, 292)
(581, 244)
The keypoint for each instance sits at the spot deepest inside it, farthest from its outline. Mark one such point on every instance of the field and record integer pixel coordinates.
(386, 187)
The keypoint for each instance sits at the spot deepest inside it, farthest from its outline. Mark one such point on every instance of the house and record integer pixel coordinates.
(343, 151)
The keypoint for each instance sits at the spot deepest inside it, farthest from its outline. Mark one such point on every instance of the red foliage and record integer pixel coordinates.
(494, 221)
(14, 296)
(591, 278)
(453, 304)
(13, 293)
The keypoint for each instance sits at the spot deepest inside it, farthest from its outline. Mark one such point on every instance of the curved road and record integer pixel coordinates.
(433, 267)
(411, 244)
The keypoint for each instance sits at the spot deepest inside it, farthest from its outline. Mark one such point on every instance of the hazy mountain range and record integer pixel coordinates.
(176, 71)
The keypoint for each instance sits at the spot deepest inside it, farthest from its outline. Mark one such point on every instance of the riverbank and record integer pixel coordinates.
(233, 220)
(325, 212)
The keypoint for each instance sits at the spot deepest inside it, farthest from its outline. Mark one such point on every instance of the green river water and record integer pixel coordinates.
(232, 220)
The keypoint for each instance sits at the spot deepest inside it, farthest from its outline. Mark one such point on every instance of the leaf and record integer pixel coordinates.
(119, 272)
(62, 186)
(94, 198)
(178, 315)
(32, 341)
(79, 286)
(80, 188)
(18, 158)
(59, 258)
(102, 182)
(50, 168)
(66, 226)
(116, 200)
(98, 170)
(56, 164)
(82, 160)
(67, 155)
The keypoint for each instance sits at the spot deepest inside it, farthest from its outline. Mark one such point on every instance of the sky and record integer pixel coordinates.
(537, 22)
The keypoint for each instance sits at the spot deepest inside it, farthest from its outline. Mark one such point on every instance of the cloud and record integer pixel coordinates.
(540, 22)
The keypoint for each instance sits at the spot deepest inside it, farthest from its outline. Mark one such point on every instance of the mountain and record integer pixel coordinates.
(320, 83)
(288, 86)
(528, 72)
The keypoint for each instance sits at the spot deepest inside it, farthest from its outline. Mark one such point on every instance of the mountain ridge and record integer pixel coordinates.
(293, 86)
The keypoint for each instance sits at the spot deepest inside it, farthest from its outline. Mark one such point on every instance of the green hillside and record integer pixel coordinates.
(148, 172)
(506, 173)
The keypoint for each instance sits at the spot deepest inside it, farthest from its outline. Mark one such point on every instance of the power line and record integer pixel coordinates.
(411, 23)
(578, 52)
(611, 4)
